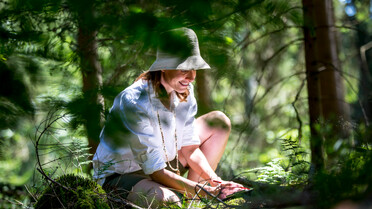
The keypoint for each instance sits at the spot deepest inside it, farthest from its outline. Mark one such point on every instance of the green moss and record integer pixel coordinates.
(236, 201)
(82, 193)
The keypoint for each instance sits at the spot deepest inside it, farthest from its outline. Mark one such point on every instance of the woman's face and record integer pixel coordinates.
(177, 80)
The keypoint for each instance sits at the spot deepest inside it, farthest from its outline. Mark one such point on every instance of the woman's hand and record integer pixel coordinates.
(227, 188)
(215, 181)
(222, 189)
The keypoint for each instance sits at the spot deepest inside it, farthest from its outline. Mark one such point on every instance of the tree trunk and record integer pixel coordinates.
(313, 85)
(330, 74)
(91, 75)
(324, 80)
(203, 92)
(364, 106)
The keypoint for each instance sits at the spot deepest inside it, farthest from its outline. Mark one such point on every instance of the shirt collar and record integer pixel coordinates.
(174, 100)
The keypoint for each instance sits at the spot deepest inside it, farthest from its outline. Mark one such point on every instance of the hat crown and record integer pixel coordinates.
(178, 49)
(181, 42)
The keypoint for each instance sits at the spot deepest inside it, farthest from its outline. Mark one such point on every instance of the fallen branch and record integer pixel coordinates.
(276, 196)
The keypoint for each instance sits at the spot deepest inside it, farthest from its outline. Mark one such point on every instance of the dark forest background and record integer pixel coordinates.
(293, 76)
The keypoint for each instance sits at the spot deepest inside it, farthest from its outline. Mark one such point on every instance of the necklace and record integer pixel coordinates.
(177, 170)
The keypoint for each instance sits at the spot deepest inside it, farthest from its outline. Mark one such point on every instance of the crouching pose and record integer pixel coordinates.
(151, 137)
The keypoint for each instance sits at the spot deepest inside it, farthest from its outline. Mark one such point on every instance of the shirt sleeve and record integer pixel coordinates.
(144, 147)
(190, 136)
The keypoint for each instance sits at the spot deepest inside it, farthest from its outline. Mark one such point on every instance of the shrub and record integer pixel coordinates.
(80, 193)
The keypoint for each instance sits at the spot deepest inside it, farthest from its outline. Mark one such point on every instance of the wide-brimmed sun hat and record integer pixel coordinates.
(178, 50)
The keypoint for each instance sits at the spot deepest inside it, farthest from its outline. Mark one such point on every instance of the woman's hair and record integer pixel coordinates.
(160, 92)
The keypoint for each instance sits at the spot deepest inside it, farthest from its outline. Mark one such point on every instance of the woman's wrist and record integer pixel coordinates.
(212, 190)
(215, 180)
(214, 177)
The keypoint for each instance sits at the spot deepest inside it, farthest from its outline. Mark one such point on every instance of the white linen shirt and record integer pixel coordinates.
(131, 139)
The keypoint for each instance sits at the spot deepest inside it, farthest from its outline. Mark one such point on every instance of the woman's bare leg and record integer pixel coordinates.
(214, 130)
(150, 194)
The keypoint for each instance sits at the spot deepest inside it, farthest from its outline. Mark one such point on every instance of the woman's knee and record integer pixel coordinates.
(148, 193)
(218, 119)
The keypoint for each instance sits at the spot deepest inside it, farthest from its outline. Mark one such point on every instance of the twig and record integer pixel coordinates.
(297, 114)
(50, 179)
(54, 191)
(119, 70)
(276, 83)
(40, 169)
(280, 50)
(264, 35)
(17, 202)
(256, 100)
(341, 73)
(231, 84)
(196, 194)
(254, 3)
(117, 200)
(214, 197)
(30, 193)
(259, 80)
(365, 117)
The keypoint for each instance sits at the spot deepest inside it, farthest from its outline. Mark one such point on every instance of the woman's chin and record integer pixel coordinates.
(181, 90)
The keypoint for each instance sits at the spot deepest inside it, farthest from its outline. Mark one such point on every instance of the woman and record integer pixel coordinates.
(151, 137)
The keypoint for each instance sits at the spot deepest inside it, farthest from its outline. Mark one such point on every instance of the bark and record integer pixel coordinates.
(203, 92)
(365, 90)
(91, 75)
(324, 79)
(276, 196)
(331, 82)
(313, 85)
(363, 112)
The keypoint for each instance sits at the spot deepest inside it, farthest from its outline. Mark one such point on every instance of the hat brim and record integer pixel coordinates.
(195, 62)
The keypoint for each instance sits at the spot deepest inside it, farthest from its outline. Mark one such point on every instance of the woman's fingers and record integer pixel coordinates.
(230, 187)
(230, 184)
(227, 188)
(226, 191)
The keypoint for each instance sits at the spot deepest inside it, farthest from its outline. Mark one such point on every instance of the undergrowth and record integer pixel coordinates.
(73, 191)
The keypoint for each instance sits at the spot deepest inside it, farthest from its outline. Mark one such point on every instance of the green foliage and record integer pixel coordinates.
(254, 48)
(17, 74)
(287, 167)
(16, 167)
(14, 90)
(349, 180)
(273, 173)
(79, 193)
(59, 149)
(297, 161)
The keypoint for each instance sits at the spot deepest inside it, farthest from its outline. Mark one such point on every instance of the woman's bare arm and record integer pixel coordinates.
(199, 163)
(179, 183)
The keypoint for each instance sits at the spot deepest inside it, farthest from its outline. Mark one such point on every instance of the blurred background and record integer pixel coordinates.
(293, 76)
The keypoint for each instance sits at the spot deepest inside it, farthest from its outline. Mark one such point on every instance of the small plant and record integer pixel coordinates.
(54, 147)
(72, 191)
(291, 170)
(350, 180)
(273, 173)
